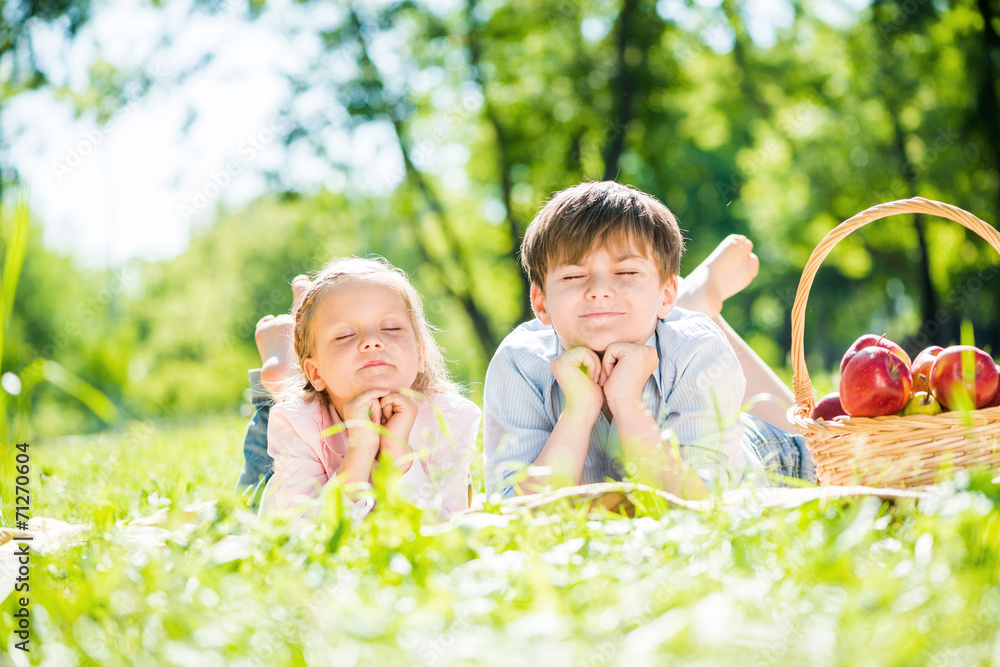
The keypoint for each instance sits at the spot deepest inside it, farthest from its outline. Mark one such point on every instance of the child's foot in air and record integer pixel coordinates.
(729, 269)
(300, 285)
(274, 340)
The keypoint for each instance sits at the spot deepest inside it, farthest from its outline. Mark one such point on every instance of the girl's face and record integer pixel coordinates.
(364, 340)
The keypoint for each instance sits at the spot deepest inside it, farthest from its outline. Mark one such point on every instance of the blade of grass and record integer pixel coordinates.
(17, 246)
(81, 390)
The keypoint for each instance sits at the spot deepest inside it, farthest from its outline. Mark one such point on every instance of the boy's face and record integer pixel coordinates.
(611, 295)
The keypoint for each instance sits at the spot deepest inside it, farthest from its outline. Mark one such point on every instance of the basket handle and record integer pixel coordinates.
(804, 401)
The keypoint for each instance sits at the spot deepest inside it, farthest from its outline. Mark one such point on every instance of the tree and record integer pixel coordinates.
(17, 54)
(778, 132)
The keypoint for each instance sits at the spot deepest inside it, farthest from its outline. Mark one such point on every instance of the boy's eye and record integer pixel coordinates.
(391, 328)
(627, 273)
(572, 277)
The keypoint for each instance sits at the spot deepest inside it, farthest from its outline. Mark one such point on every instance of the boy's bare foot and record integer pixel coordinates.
(729, 269)
(274, 340)
(300, 285)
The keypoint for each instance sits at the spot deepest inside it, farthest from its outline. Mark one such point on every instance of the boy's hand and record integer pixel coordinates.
(624, 373)
(398, 413)
(578, 370)
(361, 415)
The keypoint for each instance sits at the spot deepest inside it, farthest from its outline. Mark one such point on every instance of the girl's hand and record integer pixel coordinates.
(398, 413)
(361, 416)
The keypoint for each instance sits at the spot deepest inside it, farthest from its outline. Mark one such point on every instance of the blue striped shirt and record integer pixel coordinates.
(695, 394)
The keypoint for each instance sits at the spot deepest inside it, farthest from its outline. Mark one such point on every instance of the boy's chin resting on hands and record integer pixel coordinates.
(625, 369)
(615, 380)
(578, 373)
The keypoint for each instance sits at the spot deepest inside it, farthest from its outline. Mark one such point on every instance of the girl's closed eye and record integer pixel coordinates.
(391, 324)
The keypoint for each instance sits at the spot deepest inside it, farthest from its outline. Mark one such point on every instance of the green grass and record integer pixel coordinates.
(827, 583)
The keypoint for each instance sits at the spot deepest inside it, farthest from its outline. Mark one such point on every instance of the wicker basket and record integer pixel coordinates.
(889, 451)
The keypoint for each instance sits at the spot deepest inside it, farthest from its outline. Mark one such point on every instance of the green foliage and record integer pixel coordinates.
(64, 326)
(168, 568)
(779, 139)
(194, 328)
(492, 106)
(16, 392)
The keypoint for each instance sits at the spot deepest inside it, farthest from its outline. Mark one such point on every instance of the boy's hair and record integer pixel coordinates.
(600, 213)
(433, 379)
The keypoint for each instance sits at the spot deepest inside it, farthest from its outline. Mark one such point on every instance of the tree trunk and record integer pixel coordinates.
(455, 250)
(748, 84)
(928, 299)
(515, 226)
(623, 92)
(989, 107)
(481, 325)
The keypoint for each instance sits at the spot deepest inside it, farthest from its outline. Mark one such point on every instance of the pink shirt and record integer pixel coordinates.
(305, 462)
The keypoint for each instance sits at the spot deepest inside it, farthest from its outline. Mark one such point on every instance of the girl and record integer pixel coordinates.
(370, 382)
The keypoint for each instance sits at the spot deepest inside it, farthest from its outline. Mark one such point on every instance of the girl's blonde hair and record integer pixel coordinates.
(434, 378)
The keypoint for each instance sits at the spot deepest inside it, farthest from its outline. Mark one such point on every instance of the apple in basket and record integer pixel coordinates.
(922, 403)
(869, 340)
(921, 367)
(875, 382)
(963, 374)
(829, 407)
(996, 397)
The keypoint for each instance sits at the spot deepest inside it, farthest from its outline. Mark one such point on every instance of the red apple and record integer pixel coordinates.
(869, 340)
(996, 397)
(829, 407)
(920, 369)
(950, 382)
(875, 382)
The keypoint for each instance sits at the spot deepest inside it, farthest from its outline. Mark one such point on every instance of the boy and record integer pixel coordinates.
(611, 369)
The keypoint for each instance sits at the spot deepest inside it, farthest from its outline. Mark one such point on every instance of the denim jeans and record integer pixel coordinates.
(782, 453)
(257, 468)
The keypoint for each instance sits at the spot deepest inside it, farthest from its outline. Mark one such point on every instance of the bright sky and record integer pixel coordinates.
(135, 185)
